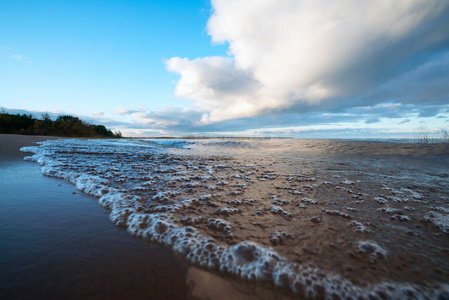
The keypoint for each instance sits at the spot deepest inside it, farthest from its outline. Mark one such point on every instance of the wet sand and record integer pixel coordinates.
(58, 243)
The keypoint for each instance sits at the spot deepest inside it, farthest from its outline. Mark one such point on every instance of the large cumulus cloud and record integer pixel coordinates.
(302, 56)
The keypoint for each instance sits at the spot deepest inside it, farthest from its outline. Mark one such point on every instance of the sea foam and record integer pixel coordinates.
(160, 196)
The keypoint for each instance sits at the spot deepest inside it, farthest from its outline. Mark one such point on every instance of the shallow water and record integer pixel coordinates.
(58, 244)
(317, 217)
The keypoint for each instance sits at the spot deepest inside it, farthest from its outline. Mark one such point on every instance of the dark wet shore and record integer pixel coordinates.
(59, 244)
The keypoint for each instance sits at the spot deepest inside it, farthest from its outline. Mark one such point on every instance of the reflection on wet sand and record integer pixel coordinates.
(207, 285)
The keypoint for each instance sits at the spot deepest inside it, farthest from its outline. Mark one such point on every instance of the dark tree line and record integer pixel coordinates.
(66, 125)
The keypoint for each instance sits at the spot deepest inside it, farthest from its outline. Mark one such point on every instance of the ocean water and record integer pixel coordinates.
(319, 218)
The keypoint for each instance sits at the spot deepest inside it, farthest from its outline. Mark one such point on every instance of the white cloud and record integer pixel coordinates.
(122, 111)
(309, 55)
(128, 111)
(216, 85)
(154, 121)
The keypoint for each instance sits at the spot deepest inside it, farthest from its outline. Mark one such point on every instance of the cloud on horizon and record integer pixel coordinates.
(306, 57)
(175, 120)
(352, 122)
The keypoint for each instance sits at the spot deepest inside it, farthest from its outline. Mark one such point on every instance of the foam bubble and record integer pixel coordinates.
(440, 221)
(381, 200)
(400, 218)
(309, 201)
(338, 213)
(372, 248)
(279, 236)
(277, 210)
(359, 227)
(389, 210)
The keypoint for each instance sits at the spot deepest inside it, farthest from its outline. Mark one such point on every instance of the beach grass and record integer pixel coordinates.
(421, 135)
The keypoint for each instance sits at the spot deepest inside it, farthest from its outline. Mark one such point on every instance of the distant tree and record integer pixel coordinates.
(65, 125)
(101, 130)
(118, 134)
(46, 117)
(5, 120)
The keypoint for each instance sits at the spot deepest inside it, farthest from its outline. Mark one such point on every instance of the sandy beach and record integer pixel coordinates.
(58, 243)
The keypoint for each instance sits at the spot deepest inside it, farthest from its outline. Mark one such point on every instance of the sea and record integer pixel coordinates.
(326, 219)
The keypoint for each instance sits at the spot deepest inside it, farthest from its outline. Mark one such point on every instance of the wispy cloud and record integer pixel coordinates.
(5, 48)
(129, 111)
(98, 113)
(18, 58)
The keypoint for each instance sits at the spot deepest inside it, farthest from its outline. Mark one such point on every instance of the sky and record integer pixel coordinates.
(296, 68)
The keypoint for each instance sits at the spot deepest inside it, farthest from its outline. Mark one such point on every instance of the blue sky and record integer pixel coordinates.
(83, 56)
(287, 68)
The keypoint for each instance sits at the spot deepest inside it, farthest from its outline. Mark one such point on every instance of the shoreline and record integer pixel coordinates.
(60, 243)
